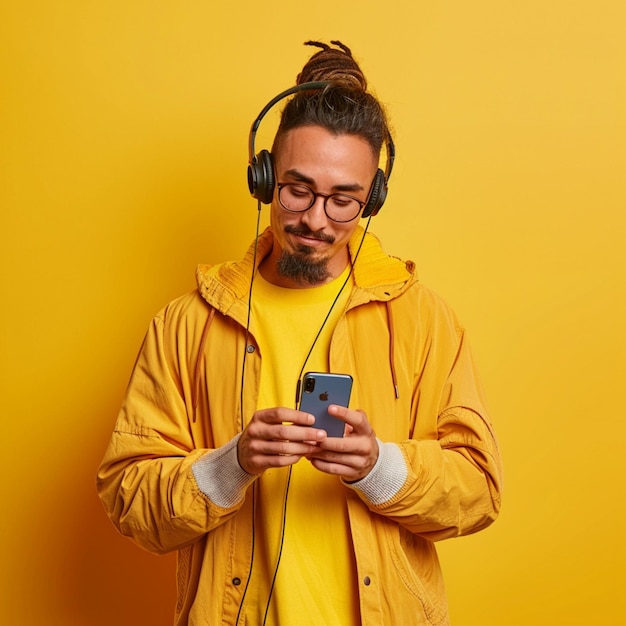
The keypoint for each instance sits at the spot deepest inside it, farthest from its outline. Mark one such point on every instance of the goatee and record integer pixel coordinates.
(298, 265)
(301, 268)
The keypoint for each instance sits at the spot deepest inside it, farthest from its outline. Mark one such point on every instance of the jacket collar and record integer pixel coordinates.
(377, 276)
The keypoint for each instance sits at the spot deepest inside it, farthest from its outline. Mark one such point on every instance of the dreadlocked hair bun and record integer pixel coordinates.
(343, 106)
(333, 65)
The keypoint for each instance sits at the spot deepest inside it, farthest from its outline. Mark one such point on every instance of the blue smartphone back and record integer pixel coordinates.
(319, 390)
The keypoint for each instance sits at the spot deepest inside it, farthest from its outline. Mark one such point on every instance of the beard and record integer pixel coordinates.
(299, 265)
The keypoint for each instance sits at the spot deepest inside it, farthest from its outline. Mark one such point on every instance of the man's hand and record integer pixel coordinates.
(277, 437)
(353, 456)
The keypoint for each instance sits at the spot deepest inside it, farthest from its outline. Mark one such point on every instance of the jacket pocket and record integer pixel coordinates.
(183, 568)
(415, 563)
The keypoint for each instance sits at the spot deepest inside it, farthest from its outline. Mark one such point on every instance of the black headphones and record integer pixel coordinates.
(261, 179)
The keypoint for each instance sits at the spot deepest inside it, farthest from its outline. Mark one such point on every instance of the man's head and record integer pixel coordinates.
(325, 159)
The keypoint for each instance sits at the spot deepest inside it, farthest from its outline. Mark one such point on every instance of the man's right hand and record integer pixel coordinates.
(276, 438)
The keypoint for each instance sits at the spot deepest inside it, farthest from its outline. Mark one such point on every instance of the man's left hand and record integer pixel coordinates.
(352, 456)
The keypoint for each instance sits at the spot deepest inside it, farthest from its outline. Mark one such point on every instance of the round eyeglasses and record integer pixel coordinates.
(298, 198)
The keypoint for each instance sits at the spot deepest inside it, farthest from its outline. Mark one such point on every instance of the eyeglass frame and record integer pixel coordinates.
(326, 196)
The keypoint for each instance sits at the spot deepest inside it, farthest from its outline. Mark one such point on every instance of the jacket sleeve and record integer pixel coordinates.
(147, 479)
(448, 484)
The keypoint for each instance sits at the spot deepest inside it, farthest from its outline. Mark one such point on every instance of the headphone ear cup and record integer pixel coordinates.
(261, 177)
(378, 194)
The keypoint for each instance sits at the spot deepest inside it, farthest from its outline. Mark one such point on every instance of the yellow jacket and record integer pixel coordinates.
(170, 480)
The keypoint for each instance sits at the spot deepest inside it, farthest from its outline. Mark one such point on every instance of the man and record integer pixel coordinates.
(274, 521)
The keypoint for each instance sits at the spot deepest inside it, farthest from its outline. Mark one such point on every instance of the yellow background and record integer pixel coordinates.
(123, 154)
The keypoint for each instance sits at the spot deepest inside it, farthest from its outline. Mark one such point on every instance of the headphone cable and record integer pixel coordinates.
(243, 370)
(330, 310)
(282, 543)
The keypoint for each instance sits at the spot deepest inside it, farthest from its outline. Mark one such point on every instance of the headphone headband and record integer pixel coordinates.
(281, 96)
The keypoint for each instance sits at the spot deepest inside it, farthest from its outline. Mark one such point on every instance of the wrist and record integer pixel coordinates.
(219, 475)
(386, 478)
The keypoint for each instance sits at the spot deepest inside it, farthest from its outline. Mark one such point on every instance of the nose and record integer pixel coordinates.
(315, 217)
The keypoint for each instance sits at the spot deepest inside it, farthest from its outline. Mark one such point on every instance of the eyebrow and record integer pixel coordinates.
(303, 178)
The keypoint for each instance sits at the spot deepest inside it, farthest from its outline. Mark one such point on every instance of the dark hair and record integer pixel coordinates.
(342, 107)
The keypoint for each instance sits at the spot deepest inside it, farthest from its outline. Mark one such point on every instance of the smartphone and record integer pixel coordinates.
(318, 391)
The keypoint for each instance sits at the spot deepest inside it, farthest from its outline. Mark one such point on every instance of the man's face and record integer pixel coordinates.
(309, 248)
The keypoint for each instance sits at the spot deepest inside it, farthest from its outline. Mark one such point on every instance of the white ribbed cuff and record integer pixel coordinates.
(386, 478)
(220, 477)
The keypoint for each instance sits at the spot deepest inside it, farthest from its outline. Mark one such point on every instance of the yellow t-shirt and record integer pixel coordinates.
(316, 579)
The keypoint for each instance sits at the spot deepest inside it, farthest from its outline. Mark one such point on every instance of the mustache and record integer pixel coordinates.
(303, 231)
